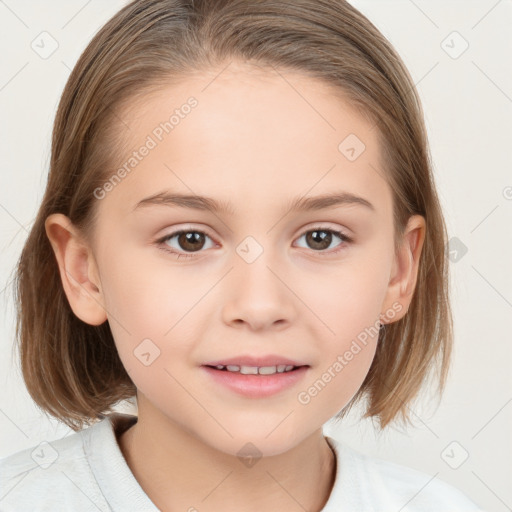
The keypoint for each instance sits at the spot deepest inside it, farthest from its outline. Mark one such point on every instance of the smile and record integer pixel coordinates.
(256, 381)
(256, 370)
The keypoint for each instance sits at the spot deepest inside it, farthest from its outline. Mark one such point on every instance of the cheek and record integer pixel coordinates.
(346, 297)
(147, 312)
(147, 294)
(345, 357)
(333, 384)
(348, 305)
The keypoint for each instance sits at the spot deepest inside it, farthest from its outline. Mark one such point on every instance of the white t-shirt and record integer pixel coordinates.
(86, 471)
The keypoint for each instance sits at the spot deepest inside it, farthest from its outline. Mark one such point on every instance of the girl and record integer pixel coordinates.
(285, 141)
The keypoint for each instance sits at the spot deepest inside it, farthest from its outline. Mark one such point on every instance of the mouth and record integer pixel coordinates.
(255, 381)
(256, 370)
(247, 363)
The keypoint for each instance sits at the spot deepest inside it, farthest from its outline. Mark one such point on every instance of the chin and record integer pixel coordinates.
(255, 443)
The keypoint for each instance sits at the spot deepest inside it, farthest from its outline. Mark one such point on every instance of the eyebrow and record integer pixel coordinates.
(212, 205)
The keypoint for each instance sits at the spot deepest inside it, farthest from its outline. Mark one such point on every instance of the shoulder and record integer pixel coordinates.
(46, 476)
(386, 485)
(421, 491)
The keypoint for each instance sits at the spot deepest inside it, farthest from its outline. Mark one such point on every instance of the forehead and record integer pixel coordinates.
(248, 135)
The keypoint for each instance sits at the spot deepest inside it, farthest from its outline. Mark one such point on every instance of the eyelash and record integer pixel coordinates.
(164, 247)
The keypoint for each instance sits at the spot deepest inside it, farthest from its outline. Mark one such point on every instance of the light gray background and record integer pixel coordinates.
(468, 110)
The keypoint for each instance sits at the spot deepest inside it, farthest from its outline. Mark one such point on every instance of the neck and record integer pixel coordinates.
(179, 471)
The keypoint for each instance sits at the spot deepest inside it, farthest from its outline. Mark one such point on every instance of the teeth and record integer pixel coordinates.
(246, 370)
(254, 370)
(267, 370)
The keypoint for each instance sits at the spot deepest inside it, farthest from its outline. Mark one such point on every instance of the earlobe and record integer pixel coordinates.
(404, 274)
(77, 269)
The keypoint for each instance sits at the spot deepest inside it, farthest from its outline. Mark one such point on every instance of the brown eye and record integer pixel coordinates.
(185, 241)
(320, 239)
(191, 240)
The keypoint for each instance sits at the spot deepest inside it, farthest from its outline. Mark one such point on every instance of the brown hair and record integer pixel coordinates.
(71, 369)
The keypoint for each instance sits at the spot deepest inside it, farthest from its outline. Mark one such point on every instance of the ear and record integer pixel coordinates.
(78, 269)
(404, 272)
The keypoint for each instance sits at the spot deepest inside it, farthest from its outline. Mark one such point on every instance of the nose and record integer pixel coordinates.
(257, 295)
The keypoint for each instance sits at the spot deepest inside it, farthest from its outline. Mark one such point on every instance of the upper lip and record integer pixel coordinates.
(269, 360)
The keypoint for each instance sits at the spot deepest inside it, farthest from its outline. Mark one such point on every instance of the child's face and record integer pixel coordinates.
(257, 284)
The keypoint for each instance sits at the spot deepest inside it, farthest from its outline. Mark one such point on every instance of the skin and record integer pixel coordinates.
(258, 142)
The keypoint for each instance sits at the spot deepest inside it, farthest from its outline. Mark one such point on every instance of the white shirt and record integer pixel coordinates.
(86, 471)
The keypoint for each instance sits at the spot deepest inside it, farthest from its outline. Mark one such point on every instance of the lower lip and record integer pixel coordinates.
(257, 386)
